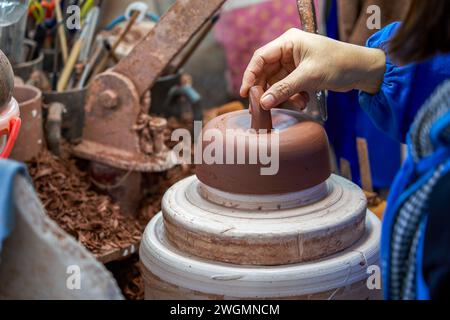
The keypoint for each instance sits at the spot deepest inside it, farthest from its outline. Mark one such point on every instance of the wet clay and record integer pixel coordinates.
(261, 119)
(304, 160)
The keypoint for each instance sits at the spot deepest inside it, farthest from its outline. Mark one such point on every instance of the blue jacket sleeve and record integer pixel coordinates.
(404, 89)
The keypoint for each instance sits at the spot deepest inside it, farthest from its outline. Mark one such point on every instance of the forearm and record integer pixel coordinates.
(352, 67)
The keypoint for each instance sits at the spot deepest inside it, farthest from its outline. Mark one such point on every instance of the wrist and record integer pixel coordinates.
(371, 68)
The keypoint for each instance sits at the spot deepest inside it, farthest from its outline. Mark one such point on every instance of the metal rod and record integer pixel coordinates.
(307, 12)
(104, 62)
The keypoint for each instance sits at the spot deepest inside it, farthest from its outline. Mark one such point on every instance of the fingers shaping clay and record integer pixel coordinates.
(299, 153)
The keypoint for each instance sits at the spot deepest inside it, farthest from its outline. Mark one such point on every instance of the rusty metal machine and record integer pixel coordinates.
(120, 139)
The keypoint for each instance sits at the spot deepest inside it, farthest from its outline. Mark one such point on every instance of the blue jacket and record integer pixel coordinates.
(347, 122)
(393, 109)
(404, 89)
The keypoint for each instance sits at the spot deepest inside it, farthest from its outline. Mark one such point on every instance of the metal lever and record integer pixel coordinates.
(176, 28)
(307, 11)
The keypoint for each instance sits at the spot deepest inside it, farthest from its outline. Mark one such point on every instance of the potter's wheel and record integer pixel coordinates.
(228, 232)
(178, 275)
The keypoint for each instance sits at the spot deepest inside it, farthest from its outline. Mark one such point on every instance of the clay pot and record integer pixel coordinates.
(31, 137)
(304, 160)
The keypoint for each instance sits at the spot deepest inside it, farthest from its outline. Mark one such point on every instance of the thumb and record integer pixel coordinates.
(280, 92)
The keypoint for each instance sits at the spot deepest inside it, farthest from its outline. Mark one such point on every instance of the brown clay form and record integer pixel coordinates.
(304, 160)
(261, 119)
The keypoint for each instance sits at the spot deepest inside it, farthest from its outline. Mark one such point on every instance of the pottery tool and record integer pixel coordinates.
(88, 68)
(307, 11)
(82, 42)
(86, 7)
(261, 119)
(70, 64)
(112, 54)
(104, 62)
(61, 31)
(91, 25)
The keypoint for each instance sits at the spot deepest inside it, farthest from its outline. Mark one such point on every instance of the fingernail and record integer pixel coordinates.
(242, 92)
(268, 101)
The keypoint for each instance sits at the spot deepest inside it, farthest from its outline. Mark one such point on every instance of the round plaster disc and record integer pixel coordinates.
(271, 237)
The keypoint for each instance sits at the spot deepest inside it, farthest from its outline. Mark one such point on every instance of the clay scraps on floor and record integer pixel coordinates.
(68, 197)
(92, 218)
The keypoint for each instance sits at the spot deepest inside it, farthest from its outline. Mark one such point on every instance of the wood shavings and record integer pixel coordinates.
(68, 197)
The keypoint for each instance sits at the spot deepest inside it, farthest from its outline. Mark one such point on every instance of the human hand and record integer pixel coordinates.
(299, 62)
